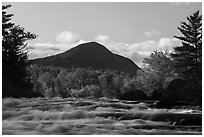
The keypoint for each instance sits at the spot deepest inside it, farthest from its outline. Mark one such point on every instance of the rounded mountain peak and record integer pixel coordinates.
(89, 47)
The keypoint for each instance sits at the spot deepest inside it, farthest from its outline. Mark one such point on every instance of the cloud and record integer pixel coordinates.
(102, 38)
(67, 37)
(49, 45)
(39, 53)
(152, 33)
(167, 43)
(38, 50)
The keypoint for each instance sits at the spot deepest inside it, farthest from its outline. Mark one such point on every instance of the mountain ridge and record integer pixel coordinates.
(91, 54)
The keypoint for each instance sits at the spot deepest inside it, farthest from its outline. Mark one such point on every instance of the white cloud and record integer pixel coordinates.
(46, 49)
(81, 42)
(67, 37)
(166, 43)
(101, 38)
(39, 53)
(49, 45)
(152, 33)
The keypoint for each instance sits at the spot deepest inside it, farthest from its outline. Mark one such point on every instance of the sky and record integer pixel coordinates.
(130, 29)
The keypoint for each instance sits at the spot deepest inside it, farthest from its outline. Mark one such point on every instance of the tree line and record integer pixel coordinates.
(81, 82)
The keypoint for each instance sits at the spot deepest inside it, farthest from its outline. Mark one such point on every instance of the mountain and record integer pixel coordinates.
(92, 55)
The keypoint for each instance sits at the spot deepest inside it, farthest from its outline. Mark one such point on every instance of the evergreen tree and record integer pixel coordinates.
(14, 54)
(188, 57)
(6, 25)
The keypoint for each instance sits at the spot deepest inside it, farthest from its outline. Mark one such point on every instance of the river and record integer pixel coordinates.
(78, 116)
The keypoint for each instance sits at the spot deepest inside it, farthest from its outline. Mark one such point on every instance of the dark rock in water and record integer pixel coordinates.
(134, 95)
(191, 121)
(170, 104)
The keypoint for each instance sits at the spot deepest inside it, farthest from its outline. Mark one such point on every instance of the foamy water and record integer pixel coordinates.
(94, 116)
